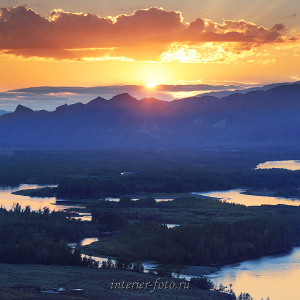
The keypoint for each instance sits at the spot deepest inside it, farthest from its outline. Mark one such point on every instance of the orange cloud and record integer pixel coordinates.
(144, 35)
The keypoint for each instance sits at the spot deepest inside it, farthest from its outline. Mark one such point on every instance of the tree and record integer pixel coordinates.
(125, 202)
(202, 283)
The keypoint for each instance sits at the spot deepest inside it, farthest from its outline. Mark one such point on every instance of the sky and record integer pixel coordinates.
(155, 48)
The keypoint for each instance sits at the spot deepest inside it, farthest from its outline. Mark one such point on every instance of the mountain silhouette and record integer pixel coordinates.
(264, 119)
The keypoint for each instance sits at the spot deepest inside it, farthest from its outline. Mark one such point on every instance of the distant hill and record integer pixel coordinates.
(220, 94)
(3, 112)
(255, 120)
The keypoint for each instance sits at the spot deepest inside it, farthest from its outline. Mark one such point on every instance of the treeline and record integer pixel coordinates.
(123, 263)
(212, 243)
(110, 216)
(288, 193)
(113, 216)
(190, 202)
(53, 166)
(163, 181)
(176, 181)
(38, 237)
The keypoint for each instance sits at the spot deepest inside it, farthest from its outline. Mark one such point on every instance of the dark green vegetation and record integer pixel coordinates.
(212, 232)
(41, 192)
(183, 210)
(178, 180)
(97, 173)
(224, 232)
(93, 174)
(202, 283)
(39, 237)
(55, 166)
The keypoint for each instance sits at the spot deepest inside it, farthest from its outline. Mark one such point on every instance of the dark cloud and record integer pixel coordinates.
(278, 27)
(144, 35)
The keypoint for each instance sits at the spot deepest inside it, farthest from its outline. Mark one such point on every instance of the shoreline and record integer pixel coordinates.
(200, 270)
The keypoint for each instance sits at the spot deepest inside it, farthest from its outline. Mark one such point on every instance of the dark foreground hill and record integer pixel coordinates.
(255, 120)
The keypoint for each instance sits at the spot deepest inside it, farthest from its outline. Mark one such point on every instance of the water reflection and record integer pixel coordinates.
(276, 277)
(171, 225)
(135, 199)
(88, 241)
(99, 259)
(9, 200)
(148, 266)
(283, 164)
(236, 196)
(83, 216)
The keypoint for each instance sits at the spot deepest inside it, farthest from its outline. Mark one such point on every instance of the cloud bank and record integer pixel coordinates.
(152, 34)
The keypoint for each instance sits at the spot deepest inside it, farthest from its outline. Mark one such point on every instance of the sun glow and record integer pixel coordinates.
(150, 85)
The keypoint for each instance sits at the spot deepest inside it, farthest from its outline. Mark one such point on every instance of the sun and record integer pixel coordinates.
(150, 85)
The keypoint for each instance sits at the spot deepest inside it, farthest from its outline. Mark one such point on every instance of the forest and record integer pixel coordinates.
(55, 166)
(180, 180)
(220, 232)
(93, 174)
(39, 237)
(211, 231)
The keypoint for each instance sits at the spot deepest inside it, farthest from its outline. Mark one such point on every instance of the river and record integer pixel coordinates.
(275, 276)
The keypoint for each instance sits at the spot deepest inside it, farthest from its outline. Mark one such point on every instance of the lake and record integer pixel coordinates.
(282, 164)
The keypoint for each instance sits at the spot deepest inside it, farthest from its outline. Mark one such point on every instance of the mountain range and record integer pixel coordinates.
(263, 119)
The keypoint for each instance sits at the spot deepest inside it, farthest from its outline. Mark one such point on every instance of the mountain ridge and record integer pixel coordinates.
(257, 119)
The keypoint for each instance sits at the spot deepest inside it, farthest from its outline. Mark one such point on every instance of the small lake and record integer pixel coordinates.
(283, 164)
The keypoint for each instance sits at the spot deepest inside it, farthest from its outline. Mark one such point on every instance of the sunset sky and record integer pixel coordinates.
(131, 46)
